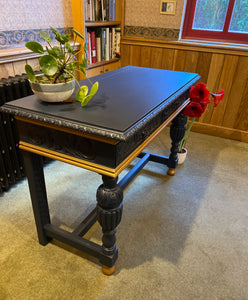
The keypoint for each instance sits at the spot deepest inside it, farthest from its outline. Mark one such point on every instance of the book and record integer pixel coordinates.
(88, 10)
(98, 49)
(103, 44)
(118, 42)
(107, 9)
(98, 10)
(93, 46)
(113, 40)
(103, 10)
(111, 10)
(107, 43)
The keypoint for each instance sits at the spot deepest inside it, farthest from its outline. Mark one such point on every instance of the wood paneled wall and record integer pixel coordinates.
(218, 67)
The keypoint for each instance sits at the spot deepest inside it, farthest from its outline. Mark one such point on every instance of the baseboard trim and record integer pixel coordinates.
(224, 132)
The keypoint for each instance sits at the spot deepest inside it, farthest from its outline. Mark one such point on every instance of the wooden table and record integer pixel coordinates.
(132, 106)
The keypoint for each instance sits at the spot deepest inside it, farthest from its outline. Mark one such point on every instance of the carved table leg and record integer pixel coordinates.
(109, 212)
(177, 131)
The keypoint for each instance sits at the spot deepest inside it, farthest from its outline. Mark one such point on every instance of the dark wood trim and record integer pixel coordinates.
(224, 132)
(192, 45)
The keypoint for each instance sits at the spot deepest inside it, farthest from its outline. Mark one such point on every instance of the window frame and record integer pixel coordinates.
(221, 36)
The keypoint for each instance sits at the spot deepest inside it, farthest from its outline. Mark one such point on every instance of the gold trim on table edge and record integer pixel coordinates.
(96, 167)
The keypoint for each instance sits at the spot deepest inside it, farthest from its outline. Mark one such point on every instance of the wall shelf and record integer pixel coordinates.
(102, 63)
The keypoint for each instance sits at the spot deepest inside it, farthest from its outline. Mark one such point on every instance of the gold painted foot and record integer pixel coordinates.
(108, 270)
(171, 172)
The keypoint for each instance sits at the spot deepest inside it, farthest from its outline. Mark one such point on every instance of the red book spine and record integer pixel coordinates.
(93, 46)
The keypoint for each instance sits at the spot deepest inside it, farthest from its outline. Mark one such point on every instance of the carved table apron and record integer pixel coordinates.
(131, 107)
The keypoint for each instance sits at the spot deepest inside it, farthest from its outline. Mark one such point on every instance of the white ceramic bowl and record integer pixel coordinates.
(57, 92)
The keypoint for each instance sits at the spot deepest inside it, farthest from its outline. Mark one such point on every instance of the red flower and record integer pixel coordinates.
(199, 93)
(218, 97)
(204, 105)
(194, 110)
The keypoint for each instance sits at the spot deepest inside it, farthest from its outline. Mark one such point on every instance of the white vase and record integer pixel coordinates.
(182, 156)
(58, 92)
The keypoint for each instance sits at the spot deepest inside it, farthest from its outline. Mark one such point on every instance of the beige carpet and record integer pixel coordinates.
(181, 237)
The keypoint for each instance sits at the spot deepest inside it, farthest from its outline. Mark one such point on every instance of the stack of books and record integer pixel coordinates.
(102, 43)
(99, 10)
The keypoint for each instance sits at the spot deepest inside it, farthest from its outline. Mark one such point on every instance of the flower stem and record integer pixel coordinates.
(182, 143)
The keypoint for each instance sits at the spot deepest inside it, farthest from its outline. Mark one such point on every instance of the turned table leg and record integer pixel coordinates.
(109, 212)
(177, 131)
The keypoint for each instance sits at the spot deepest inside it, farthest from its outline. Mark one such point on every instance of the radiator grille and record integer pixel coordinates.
(11, 161)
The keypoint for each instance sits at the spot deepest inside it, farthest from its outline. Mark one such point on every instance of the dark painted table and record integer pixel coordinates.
(132, 106)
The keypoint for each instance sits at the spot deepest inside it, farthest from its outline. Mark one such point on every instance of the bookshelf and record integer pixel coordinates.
(105, 34)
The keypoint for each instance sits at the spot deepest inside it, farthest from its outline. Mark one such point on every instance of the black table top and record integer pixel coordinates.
(125, 98)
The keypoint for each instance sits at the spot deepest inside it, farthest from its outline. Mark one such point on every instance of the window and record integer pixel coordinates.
(216, 20)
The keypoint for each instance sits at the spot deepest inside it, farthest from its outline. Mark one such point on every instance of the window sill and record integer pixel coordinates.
(19, 53)
(220, 45)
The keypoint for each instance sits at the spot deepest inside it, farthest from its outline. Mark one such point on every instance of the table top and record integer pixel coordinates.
(126, 98)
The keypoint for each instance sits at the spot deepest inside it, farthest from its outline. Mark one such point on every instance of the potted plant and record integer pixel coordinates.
(58, 65)
(199, 100)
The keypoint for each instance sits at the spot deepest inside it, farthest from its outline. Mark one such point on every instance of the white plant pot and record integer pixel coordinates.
(57, 92)
(182, 156)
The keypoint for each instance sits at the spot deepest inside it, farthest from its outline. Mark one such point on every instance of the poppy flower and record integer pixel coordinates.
(199, 93)
(194, 110)
(218, 97)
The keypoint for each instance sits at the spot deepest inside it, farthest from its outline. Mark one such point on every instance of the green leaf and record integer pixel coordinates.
(93, 91)
(48, 65)
(78, 34)
(30, 72)
(86, 100)
(68, 47)
(81, 93)
(35, 47)
(83, 66)
(65, 38)
(54, 31)
(59, 39)
(84, 62)
(94, 88)
(85, 48)
(57, 52)
(45, 36)
(62, 39)
(82, 70)
(71, 66)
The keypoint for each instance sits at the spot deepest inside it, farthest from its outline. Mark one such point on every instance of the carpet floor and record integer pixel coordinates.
(181, 237)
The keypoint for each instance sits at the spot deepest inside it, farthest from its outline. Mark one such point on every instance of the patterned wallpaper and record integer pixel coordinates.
(143, 19)
(20, 20)
(156, 33)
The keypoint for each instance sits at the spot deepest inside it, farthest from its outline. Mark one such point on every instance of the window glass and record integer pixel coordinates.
(210, 15)
(239, 21)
